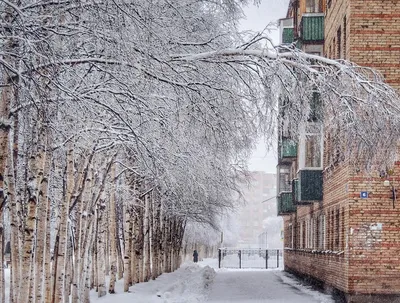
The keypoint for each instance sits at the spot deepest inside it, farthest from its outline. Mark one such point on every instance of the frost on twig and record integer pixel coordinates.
(355, 104)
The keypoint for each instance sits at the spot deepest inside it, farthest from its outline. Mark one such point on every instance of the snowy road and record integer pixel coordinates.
(261, 286)
(205, 282)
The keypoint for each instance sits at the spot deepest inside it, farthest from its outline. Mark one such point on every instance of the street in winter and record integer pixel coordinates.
(199, 151)
(204, 282)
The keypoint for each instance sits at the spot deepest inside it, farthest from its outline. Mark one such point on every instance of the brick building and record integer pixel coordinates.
(342, 226)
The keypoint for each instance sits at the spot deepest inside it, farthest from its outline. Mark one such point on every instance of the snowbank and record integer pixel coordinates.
(189, 284)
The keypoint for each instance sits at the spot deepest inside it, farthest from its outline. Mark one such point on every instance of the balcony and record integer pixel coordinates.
(287, 150)
(285, 204)
(287, 35)
(309, 187)
(312, 28)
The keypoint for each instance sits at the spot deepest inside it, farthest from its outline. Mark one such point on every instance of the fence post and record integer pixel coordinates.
(240, 258)
(219, 257)
(266, 259)
(277, 258)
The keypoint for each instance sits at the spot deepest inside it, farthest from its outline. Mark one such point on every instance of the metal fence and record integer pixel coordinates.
(249, 258)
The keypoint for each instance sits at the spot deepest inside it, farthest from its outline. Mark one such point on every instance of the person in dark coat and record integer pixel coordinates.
(195, 256)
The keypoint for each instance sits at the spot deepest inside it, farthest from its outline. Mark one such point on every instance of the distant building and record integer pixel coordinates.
(341, 227)
(260, 196)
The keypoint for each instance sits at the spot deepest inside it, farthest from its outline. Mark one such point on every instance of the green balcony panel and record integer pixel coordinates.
(312, 28)
(295, 190)
(288, 148)
(310, 186)
(287, 35)
(285, 204)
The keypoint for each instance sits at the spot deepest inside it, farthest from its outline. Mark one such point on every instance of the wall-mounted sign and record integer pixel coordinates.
(364, 195)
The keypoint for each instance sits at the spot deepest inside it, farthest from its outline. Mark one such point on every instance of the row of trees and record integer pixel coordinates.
(108, 147)
(124, 121)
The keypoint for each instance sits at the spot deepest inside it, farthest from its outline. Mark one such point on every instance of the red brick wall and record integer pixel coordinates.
(374, 36)
(374, 235)
(329, 264)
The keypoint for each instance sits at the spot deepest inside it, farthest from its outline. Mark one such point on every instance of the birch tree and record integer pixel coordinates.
(180, 96)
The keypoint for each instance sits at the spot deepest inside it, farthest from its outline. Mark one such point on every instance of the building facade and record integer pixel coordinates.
(342, 226)
(260, 205)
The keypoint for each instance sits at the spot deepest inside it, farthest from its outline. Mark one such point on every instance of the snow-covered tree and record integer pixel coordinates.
(143, 113)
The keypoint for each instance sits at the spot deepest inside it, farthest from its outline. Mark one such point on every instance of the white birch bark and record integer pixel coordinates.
(14, 236)
(139, 243)
(81, 207)
(2, 279)
(146, 240)
(86, 245)
(60, 258)
(127, 249)
(101, 250)
(155, 239)
(113, 233)
(133, 243)
(43, 162)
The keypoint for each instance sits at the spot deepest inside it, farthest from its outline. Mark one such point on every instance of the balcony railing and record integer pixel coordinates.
(285, 204)
(288, 35)
(312, 28)
(287, 150)
(309, 186)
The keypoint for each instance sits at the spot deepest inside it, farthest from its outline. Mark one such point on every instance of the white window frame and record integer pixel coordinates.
(302, 145)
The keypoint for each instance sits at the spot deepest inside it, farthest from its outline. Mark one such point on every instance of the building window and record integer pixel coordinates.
(342, 233)
(311, 146)
(321, 232)
(310, 233)
(291, 227)
(333, 49)
(313, 6)
(337, 230)
(339, 43)
(332, 233)
(344, 36)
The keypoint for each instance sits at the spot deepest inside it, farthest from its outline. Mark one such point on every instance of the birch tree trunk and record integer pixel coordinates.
(6, 96)
(41, 254)
(86, 245)
(101, 250)
(30, 233)
(167, 245)
(81, 206)
(147, 237)
(133, 249)
(47, 251)
(26, 264)
(139, 228)
(113, 233)
(2, 281)
(127, 249)
(60, 258)
(155, 237)
(4, 131)
(14, 237)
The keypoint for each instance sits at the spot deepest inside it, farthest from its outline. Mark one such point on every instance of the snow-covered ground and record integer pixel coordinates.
(204, 282)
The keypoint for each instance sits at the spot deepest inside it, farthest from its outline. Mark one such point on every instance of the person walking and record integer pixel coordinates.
(195, 256)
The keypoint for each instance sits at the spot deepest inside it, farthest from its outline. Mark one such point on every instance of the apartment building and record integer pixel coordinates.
(342, 226)
(260, 205)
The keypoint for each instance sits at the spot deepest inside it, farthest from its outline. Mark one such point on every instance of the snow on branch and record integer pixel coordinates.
(356, 104)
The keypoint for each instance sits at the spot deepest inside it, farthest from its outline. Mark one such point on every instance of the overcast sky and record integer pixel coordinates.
(257, 18)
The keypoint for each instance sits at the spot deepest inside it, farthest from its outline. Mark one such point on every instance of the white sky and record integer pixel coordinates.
(257, 18)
